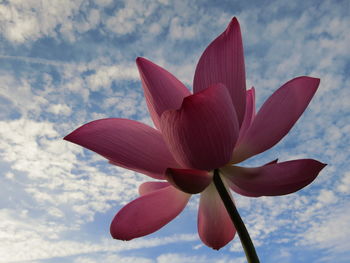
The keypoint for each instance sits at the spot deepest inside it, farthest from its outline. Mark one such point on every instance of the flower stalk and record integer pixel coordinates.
(242, 231)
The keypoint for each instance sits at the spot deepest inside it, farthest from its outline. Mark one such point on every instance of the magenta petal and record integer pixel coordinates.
(223, 62)
(148, 213)
(249, 113)
(201, 135)
(274, 179)
(162, 90)
(234, 187)
(215, 227)
(127, 143)
(276, 117)
(241, 191)
(149, 187)
(188, 181)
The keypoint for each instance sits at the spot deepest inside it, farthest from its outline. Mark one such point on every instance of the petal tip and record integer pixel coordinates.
(72, 137)
(315, 80)
(140, 61)
(234, 20)
(323, 165)
(234, 24)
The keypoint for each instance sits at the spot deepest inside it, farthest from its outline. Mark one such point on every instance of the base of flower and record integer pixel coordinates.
(237, 221)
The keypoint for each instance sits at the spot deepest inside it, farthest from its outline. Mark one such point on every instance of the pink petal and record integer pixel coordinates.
(129, 144)
(149, 187)
(201, 134)
(238, 190)
(148, 213)
(276, 117)
(241, 191)
(188, 181)
(223, 62)
(274, 179)
(249, 113)
(215, 227)
(162, 90)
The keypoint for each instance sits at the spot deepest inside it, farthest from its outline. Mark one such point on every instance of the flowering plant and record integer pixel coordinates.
(198, 140)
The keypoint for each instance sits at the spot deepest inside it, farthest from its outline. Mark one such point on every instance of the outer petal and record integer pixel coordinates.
(201, 134)
(162, 90)
(148, 213)
(127, 143)
(189, 181)
(215, 227)
(274, 179)
(235, 188)
(149, 187)
(249, 113)
(276, 117)
(223, 62)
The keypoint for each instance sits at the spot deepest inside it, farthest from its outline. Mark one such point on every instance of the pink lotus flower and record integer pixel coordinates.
(214, 128)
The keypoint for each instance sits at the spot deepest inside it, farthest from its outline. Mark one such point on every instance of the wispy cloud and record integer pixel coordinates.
(65, 63)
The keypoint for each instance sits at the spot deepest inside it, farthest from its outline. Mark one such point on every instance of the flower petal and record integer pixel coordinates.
(215, 227)
(148, 213)
(276, 117)
(223, 62)
(249, 113)
(274, 179)
(149, 187)
(127, 143)
(188, 181)
(201, 135)
(163, 91)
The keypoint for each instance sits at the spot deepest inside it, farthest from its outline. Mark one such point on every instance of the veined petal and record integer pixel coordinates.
(235, 188)
(148, 213)
(249, 113)
(223, 62)
(274, 179)
(201, 135)
(163, 91)
(215, 227)
(149, 187)
(127, 143)
(187, 180)
(276, 117)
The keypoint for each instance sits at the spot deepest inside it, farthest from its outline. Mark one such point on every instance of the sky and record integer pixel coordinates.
(64, 63)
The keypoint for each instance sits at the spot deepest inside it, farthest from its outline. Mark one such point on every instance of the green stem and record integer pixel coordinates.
(237, 221)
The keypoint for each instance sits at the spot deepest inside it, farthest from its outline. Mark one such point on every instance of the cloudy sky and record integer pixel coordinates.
(64, 63)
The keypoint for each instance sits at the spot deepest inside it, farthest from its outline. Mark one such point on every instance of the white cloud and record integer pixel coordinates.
(344, 185)
(19, 92)
(60, 109)
(53, 188)
(48, 162)
(180, 31)
(29, 20)
(326, 197)
(183, 258)
(331, 232)
(112, 259)
(24, 239)
(133, 14)
(103, 3)
(105, 75)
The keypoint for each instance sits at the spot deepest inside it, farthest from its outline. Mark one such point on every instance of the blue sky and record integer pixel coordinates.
(64, 63)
